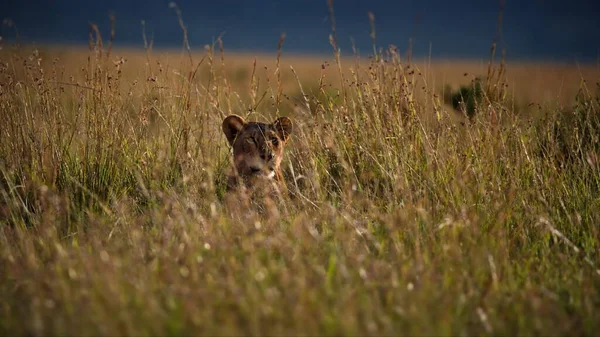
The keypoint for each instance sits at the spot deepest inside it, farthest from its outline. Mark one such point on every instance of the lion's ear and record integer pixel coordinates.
(284, 128)
(232, 125)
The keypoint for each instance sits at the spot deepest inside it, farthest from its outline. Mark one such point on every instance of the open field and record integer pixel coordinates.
(529, 81)
(404, 216)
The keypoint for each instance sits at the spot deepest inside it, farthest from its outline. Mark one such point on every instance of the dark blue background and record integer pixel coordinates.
(533, 29)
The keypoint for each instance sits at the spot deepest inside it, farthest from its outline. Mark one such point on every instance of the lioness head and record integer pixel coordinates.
(257, 147)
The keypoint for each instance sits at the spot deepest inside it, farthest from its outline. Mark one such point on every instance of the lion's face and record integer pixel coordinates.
(257, 147)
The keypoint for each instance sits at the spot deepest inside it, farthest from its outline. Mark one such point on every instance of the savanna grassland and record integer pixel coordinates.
(415, 207)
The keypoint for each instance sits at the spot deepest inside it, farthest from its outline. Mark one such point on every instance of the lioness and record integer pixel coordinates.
(257, 151)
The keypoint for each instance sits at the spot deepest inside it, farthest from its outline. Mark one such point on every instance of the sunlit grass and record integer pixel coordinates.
(403, 217)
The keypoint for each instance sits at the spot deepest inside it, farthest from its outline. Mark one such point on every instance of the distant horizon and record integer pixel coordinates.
(303, 53)
(545, 30)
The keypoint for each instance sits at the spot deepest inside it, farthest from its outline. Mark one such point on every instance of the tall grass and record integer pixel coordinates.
(399, 220)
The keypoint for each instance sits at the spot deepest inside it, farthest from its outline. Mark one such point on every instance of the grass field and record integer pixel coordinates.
(404, 217)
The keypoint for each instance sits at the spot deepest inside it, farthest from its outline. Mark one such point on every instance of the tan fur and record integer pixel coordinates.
(257, 151)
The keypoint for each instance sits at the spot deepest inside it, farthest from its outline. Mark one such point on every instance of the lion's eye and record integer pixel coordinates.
(251, 140)
(274, 141)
